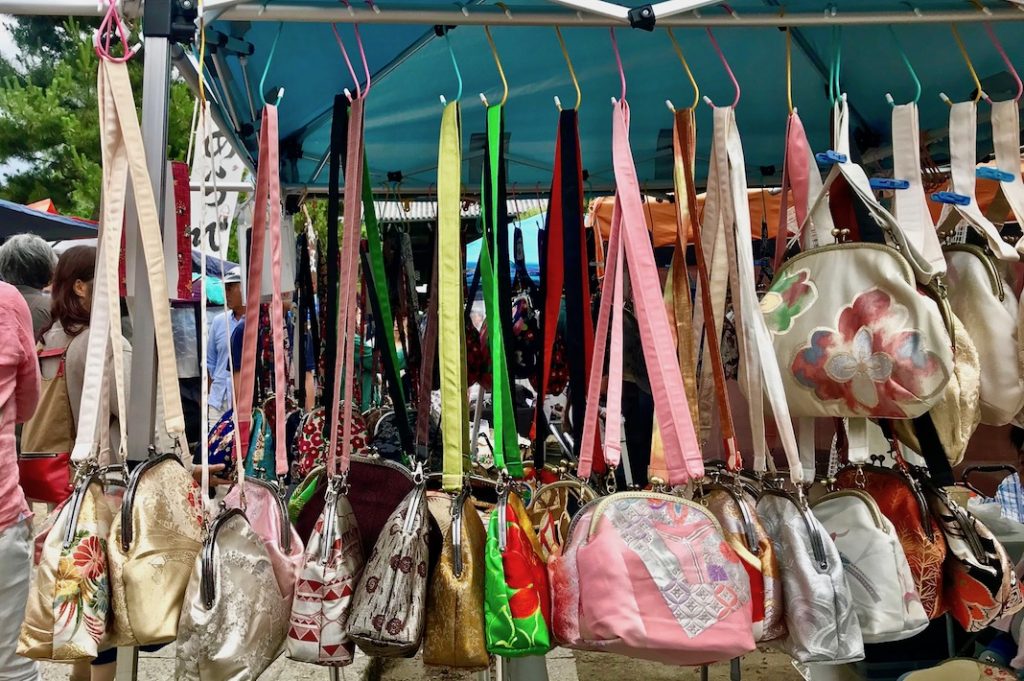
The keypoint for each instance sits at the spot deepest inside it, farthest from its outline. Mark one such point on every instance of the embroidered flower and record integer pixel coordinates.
(405, 565)
(395, 626)
(371, 584)
(90, 557)
(870, 361)
(791, 295)
(377, 622)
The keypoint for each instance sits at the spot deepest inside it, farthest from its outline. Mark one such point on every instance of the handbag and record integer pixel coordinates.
(334, 559)
(67, 614)
(552, 508)
(688, 596)
(877, 573)
(981, 298)
(234, 616)
(303, 493)
(820, 621)
(155, 537)
(388, 608)
(852, 334)
(44, 458)
(310, 443)
(901, 500)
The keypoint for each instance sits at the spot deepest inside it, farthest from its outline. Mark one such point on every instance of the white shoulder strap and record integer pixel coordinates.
(1006, 139)
(910, 207)
(963, 133)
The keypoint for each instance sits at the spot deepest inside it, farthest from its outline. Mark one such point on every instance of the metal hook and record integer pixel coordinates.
(834, 89)
(618, 62)
(686, 67)
(1006, 60)
(970, 65)
(455, 64)
(501, 70)
(728, 69)
(789, 70)
(348, 63)
(910, 68)
(266, 67)
(572, 71)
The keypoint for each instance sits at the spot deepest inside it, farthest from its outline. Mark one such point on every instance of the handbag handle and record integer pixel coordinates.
(347, 298)
(1006, 140)
(450, 282)
(727, 175)
(425, 382)
(124, 153)
(267, 201)
(684, 149)
(497, 294)
(963, 133)
(682, 454)
(799, 176)
(910, 208)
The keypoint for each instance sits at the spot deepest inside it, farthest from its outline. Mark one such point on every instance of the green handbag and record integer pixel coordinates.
(303, 493)
(517, 598)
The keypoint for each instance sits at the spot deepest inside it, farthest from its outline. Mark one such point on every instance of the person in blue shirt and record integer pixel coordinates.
(219, 345)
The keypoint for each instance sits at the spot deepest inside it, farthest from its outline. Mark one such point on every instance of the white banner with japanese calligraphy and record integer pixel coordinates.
(215, 165)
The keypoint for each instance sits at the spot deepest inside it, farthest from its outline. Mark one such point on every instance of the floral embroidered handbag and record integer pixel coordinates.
(67, 614)
(388, 609)
(681, 595)
(517, 599)
(852, 333)
(980, 584)
(311, 445)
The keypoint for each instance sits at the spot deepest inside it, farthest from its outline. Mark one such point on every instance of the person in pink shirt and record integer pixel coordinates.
(19, 396)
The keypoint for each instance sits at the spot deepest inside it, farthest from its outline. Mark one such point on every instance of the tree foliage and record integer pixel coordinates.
(49, 128)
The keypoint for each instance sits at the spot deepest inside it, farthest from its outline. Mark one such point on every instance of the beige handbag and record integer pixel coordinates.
(234, 618)
(388, 610)
(156, 536)
(853, 335)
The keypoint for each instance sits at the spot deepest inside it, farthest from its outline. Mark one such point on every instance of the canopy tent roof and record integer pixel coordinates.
(16, 219)
(411, 67)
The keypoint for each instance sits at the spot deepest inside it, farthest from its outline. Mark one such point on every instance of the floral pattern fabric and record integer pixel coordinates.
(311, 445)
(517, 600)
(871, 361)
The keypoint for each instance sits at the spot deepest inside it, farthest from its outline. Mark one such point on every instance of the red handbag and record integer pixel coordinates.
(45, 477)
(44, 462)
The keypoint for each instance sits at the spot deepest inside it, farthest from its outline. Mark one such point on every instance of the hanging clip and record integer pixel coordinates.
(830, 157)
(951, 198)
(887, 183)
(988, 173)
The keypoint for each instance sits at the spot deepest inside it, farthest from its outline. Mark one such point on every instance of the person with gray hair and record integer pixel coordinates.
(27, 262)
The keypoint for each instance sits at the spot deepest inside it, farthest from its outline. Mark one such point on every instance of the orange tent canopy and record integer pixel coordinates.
(661, 213)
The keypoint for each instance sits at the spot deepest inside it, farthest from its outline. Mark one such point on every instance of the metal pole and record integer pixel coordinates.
(480, 16)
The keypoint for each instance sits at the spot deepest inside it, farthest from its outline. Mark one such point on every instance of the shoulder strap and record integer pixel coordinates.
(425, 383)
(330, 294)
(910, 208)
(496, 298)
(450, 280)
(1006, 139)
(682, 453)
(760, 366)
(963, 132)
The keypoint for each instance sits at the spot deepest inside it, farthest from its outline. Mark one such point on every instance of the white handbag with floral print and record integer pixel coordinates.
(853, 334)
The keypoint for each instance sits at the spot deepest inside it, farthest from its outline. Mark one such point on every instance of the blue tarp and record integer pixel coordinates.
(16, 219)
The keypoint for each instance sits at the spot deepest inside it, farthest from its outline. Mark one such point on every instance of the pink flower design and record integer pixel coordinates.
(870, 361)
(90, 557)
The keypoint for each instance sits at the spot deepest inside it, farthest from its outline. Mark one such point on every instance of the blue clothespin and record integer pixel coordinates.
(952, 198)
(883, 183)
(988, 173)
(830, 157)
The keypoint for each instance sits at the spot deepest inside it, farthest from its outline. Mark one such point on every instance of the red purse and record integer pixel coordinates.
(44, 464)
(45, 477)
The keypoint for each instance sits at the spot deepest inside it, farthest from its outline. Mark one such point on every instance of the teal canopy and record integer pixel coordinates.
(411, 67)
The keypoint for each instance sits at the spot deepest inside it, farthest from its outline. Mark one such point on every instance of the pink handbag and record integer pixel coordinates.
(645, 574)
(268, 515)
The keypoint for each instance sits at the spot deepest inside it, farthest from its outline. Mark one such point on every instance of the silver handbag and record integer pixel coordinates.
(823, 626)
(234, 618)
(388, 610)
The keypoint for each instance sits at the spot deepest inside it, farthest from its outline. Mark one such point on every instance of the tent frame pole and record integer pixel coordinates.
(679, 10)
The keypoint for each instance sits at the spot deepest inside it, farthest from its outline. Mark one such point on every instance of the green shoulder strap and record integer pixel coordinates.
(451, 329)
(376, 250)
(506, 438)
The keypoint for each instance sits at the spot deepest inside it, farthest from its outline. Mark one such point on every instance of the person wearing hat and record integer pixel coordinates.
(218, 346)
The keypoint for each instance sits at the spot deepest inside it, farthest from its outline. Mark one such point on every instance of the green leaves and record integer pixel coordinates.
(49, 129)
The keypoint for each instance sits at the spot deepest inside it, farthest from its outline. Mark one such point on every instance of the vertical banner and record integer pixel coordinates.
(214, 166)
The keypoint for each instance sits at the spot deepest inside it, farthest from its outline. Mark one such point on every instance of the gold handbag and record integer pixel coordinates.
(156, 536)
(455, 602)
